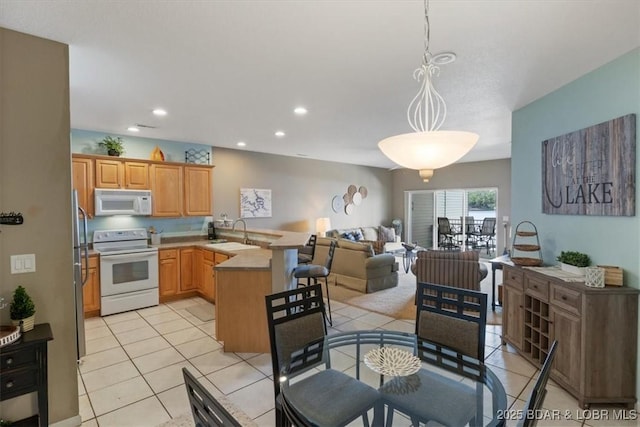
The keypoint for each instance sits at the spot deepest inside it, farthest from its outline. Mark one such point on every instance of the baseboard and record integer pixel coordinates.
(69, 422)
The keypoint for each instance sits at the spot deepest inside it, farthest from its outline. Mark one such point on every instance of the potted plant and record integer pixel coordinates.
(114, 146)
(574, 262)
(22, 310)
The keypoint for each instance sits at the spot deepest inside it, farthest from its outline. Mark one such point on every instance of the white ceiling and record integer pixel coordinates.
(234, 70)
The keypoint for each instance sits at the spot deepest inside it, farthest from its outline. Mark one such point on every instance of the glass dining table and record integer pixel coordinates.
(416, 380)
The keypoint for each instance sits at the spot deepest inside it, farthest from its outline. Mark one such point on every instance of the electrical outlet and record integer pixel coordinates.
(23, 263)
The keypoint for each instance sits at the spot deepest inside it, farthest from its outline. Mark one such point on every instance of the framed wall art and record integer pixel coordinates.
(591, 171)
(255, 203)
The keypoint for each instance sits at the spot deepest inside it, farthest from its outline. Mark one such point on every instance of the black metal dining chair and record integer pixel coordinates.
(452, 317)
(333, 398)
(207, 411)
(487, 234)
(539, 391)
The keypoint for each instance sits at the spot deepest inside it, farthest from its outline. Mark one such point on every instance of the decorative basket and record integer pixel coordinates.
(8, 334)
(26, 324)
(612, 275)
(529, 262)
(594, 277)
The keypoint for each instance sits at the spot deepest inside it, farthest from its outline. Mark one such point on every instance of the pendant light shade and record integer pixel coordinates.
(428, 148)
(426, 151)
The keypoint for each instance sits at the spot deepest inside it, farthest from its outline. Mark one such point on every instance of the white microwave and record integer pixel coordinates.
(122, 202)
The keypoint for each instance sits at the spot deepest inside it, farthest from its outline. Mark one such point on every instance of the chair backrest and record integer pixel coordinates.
(305, 255)
(539, 391)
(295, 318)
(452, 317)
(450, 268)
(332, 250)
(469, 224)
(311, 244)
(488, 227)
(443, 225)
(207, 411)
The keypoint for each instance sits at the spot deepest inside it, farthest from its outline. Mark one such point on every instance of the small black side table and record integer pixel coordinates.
(23, 368)
(496, 264)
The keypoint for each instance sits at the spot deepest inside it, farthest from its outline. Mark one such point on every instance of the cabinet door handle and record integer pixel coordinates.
(9, 384)
(10, 361)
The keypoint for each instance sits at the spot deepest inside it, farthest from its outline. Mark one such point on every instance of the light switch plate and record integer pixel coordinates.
(23, 263)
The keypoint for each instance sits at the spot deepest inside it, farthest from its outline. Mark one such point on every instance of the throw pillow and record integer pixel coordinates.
(348, 236)
(357, 235)
(387, 234)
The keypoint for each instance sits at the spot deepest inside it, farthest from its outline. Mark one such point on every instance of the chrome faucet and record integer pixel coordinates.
(246, 237)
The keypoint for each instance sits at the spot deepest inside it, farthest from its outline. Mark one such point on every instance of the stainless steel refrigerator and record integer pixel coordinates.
(80, 271)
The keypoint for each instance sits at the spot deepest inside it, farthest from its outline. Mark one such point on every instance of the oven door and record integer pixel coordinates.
(122, 273)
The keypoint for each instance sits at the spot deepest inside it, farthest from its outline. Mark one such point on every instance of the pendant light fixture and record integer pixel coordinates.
(428, 148)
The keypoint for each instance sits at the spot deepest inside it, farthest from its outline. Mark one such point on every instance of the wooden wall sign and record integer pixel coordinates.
(591, 171)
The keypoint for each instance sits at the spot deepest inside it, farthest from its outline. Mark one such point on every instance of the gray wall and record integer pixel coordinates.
(35, 177)
(491, 173)
(302, 189)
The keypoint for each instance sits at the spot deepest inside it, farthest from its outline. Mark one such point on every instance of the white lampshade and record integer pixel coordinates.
(322, 226)
(426, 151)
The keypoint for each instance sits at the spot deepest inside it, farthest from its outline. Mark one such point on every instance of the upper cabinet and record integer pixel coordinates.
(178, 189)
(82, 175)
(166, 190)
(122, 174)
(197, 191)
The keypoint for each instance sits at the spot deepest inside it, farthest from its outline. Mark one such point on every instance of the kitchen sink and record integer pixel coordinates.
(231, 246)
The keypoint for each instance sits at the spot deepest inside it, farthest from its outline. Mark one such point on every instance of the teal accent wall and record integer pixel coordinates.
(608, 92)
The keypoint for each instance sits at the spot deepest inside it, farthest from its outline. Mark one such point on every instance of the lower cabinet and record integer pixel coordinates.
(91, 288)
(169, 274)
(187, 267)
(596, 330)
(208, 284)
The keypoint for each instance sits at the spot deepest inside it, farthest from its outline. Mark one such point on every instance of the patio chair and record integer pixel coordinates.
(445, 234)
(487, 233)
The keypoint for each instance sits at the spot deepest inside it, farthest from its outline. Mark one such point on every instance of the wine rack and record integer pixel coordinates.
(536, 328)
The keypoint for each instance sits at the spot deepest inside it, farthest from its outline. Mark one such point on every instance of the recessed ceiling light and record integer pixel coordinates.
(160, 112)
(279, 133)
(301, 111)
(133, 129)
(241, 144)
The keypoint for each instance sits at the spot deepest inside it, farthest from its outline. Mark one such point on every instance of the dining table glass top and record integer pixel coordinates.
(416, 380)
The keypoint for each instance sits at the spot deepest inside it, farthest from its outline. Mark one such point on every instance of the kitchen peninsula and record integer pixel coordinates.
(242, 275)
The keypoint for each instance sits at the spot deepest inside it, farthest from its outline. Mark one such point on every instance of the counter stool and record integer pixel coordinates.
(315, 272)
(305, 255)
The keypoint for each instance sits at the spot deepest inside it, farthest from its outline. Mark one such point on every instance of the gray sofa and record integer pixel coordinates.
(356, 267)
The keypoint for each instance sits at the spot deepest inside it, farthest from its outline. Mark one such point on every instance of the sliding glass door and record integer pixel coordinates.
(471, 214)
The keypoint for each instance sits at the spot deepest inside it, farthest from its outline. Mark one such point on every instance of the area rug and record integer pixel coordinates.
(398, 302)
(204, 312)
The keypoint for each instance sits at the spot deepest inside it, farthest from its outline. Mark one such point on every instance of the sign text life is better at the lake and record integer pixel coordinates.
(591, 171)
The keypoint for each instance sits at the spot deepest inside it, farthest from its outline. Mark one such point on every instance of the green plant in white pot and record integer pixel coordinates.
(574, 262)
(22, 309)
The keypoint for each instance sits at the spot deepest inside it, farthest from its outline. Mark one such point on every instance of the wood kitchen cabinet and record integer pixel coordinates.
(197, 190)
(83, 181)
(596, 330)
(91, 288)
(208, 284)
(115, 173)
(166, 187)
(169, 277)
(187, 270)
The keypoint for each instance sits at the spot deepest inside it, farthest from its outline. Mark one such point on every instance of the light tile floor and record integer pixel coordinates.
(132, 374)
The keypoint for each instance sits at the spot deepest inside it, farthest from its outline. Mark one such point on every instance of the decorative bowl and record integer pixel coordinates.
(8, 334)
(392, 361)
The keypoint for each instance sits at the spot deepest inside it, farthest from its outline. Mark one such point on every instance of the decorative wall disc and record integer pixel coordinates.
(363, 191)
(346, 198)
(357, 199)
(352, 190)
(348, 209)
(337, 204)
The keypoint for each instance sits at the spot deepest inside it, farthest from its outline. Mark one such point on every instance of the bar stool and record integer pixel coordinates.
(315, 272)
(305, 255)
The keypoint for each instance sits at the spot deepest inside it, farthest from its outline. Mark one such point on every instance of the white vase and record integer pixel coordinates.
(580, 271)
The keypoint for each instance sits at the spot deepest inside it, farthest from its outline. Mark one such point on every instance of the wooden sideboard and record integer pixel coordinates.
(23, 368)
(596, 330)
